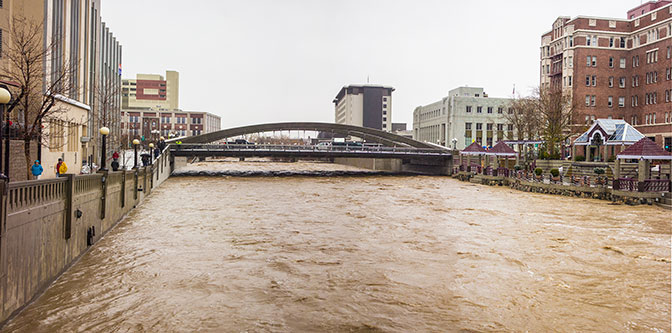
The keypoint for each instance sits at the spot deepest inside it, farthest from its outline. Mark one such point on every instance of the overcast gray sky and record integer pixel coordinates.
(258, 61)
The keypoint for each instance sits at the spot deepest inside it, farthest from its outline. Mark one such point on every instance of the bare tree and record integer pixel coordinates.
(524, 118)
(106, 98)
(557, 112)
(40, 86)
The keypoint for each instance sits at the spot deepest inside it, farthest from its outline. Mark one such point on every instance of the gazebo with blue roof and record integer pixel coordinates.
(615, 133)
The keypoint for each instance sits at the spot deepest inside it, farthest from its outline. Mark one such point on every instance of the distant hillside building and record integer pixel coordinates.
(364, 105)
(152, 91)
(466, 114)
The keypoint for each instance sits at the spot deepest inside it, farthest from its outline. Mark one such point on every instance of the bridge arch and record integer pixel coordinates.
(368, 134)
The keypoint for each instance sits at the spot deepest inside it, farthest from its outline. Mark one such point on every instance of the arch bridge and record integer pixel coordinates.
(394, 152)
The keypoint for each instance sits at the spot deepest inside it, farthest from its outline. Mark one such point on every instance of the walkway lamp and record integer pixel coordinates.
(151, 152)
(5, 97)
(454, 143)
(104, 131)
(136, 142)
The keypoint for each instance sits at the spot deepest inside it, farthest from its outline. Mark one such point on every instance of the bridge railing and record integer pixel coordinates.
(306, 148)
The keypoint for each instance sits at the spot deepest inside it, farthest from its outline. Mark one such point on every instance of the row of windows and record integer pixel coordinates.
(651, 77)
(479, 109)
(651, 57)
(488, 127)
(649, 98)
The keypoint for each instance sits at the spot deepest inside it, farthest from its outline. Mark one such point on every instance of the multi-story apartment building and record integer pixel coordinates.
(364, 105)
(152, 91)
(615, 68)
(466, 115)
(80, 48)
(149, 124)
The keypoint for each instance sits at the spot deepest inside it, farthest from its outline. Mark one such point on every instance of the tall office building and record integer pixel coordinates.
(615, 68)
(466, 115)
(365, 105)
(152, 91)
(83, 50)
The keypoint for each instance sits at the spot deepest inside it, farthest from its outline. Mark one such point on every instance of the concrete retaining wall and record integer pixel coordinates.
(378, 164)
(45, 225)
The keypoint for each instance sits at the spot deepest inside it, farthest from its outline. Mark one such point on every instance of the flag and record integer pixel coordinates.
(119, 69)
(513, 93)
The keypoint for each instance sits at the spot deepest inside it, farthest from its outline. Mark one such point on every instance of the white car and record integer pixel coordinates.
(323, 145)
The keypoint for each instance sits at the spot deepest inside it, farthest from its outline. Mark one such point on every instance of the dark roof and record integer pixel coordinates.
(501, 149)
(646, 149)
(473, 149)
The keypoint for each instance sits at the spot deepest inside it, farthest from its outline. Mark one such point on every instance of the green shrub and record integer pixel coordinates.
(517, 167)
(579, 158)
(599, 171)
(555, 172)
(538, 171)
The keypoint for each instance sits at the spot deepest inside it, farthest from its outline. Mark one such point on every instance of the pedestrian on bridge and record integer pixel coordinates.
(61, 168)
(36, 169)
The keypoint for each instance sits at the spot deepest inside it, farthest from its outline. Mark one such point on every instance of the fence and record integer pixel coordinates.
(46, 224)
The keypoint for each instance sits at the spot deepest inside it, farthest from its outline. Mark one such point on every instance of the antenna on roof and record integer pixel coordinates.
(367, 79)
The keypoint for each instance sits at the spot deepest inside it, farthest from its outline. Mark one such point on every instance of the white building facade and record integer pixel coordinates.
(466, 115)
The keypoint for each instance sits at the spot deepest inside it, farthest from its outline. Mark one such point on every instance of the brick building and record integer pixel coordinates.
(150, 123)
(615, 68)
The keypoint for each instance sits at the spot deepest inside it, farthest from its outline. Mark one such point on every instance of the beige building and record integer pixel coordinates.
(152, 91)
(80, 39)
(150, 124)
(466, 115)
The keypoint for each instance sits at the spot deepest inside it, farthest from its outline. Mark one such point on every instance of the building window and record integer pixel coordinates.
(489, 109)
(479, 126)
(467, 126)
(479, 109)
(621, 82)
(500, 110)
(621, 101)
(588, 61)
(611, 41)
(622, 42)
(623, 63)
(488, 127)
(594, 61)
(468, 109)
(510, 110)
(611, 81)
(592, 100)
(587, 80)
(611, 62)
(610, 101)
(587, 100)
(594, 80)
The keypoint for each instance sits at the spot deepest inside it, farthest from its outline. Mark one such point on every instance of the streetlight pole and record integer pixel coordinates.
(104, 131)
(5, 97)
(136, 142)
(151, 153)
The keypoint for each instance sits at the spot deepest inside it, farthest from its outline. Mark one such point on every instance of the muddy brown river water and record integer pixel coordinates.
(374, 253)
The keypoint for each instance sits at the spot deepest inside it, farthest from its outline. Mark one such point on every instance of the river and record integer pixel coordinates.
(365, 254)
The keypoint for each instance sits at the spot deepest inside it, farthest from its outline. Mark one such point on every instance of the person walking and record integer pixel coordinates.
(36, 170)
(61, 168)
(162, 144)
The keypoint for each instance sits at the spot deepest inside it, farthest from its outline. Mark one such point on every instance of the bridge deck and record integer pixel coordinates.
(305, 151)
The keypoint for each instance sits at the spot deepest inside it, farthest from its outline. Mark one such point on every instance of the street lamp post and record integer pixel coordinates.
(136, 142)
(151, 153)
(104, 131)
(5, 97)
(454, 143)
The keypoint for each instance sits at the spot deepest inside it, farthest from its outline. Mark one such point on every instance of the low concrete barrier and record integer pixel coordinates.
(45, 225)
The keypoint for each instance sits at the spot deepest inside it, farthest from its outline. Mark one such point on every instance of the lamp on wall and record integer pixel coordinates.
(5, 97)
(136, 142)
(104, 131)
